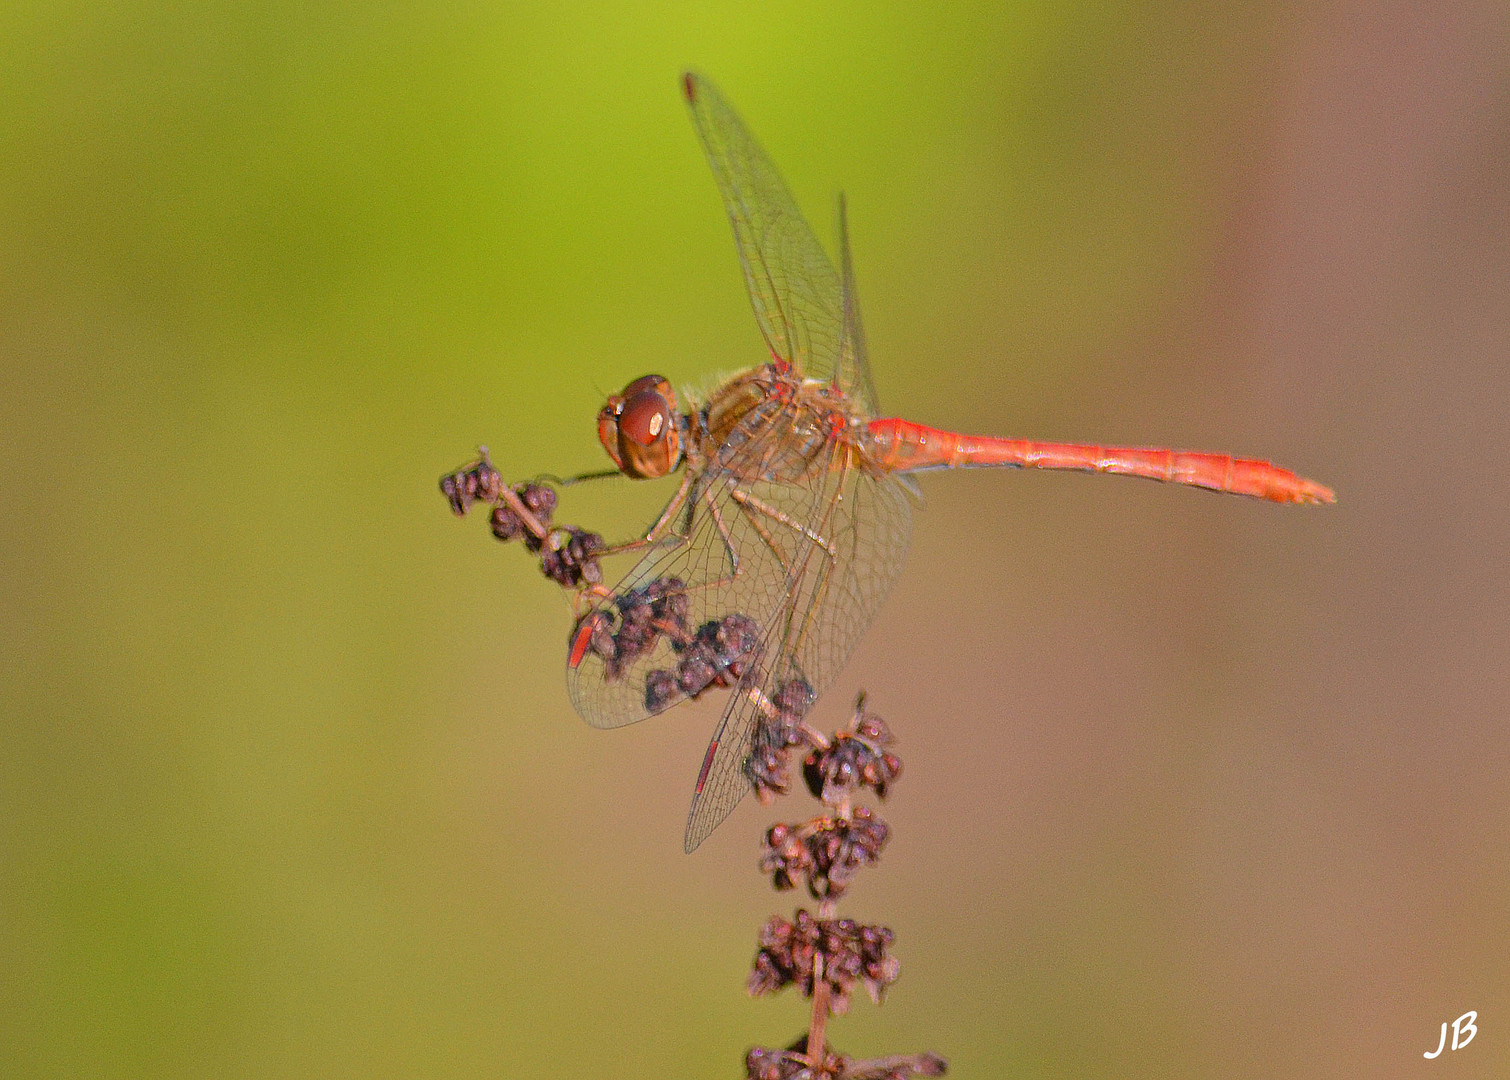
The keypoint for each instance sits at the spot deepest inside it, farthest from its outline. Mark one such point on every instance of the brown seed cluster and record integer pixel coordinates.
(762, 1063)
(768, 768)
(857, 758)
(897, 1067)
(793, 1063)
(717, 655)
(825, 853)
(570, 558)
(852, 952)
(568, 555)
(644, 616)
(507, 524)
(466, 485)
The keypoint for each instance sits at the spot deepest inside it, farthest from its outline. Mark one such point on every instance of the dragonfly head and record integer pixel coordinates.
(639, 429)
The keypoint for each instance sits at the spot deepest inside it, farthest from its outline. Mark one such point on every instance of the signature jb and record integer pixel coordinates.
(1463, 1032)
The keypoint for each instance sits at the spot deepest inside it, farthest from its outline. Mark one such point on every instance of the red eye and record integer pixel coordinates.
(639, 429)
(645, 417)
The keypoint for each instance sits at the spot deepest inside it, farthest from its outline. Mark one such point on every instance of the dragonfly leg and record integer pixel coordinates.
(750, 502)
(724, 535)
(770, 541)
(657, 531)
(568, 481)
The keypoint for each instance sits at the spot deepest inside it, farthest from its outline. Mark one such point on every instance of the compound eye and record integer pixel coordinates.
(645, 417)
(639, 429)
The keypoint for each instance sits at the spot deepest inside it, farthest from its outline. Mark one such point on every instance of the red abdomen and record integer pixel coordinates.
(902, 446)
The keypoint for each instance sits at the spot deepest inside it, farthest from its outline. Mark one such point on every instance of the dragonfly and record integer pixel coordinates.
(794, 508)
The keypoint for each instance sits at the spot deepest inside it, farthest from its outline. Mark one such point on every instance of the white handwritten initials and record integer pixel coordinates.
(1462, 1024)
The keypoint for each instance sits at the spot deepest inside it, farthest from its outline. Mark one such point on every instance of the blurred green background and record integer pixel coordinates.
(289, 782)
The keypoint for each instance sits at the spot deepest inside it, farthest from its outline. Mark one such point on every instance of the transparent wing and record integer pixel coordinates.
(854, 356)
(837, 571)
(797, 295)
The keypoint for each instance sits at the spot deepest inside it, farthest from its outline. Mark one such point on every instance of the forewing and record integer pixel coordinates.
(838, 573)
(796, 293)
(853, 374)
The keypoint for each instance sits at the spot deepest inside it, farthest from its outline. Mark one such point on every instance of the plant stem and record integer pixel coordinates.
(817, 1028)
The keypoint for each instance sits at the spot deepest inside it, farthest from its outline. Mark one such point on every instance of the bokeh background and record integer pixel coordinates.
(289, 782)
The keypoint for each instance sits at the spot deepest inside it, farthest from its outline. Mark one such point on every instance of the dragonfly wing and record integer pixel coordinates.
(853, 373)
(798, 298)
(837, 571)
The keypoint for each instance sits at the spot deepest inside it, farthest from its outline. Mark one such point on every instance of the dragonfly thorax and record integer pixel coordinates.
(641, 430)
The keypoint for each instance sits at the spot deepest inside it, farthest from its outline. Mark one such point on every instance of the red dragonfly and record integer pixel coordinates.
(795, 504)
